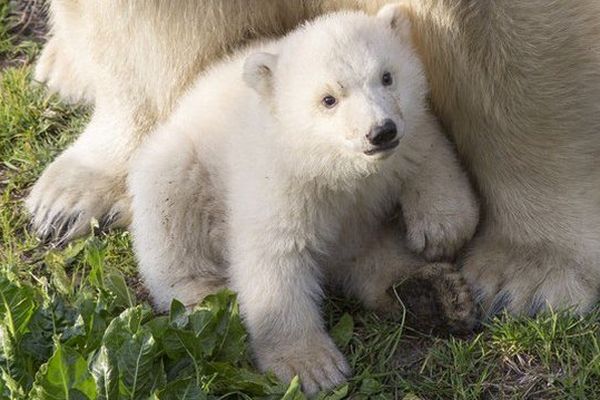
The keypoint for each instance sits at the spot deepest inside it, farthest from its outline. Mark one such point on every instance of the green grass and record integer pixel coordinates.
(74, 322)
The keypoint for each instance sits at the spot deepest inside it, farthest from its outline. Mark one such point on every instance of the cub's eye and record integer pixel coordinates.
(329, 101)
(386, 79)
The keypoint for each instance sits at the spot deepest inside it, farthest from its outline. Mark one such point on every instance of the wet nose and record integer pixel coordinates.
(382, 134)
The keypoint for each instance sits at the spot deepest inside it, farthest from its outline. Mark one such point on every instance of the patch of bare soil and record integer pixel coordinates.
(26, 22)
(28, 19)
(524, 376)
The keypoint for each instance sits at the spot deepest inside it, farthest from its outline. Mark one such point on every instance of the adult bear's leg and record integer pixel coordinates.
(88, 179)
(135, 59)
(65, 62)
(517, 84)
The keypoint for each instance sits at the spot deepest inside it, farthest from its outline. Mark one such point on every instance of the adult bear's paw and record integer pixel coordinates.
(526, 280)
(69, 194)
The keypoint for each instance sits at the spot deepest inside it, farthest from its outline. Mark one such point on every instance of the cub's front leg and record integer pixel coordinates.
(278, 287)
(438, 202)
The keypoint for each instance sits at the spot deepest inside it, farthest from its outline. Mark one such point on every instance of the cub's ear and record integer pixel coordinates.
(258, 72)
(397, 16)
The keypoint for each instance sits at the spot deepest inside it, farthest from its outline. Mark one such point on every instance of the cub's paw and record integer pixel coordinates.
(436, 296)
(436, 237)
(68, 195)
(315, 360)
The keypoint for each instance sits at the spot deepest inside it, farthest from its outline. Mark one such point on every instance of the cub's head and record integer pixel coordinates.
(345, 88)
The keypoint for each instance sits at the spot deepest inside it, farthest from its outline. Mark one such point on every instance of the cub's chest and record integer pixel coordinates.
(351, 228)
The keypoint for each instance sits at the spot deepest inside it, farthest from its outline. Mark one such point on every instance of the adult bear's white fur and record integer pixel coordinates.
(516, 84)
(264, 188)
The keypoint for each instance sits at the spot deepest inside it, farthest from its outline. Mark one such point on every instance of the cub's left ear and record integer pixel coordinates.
(258, 72)
(397, 15)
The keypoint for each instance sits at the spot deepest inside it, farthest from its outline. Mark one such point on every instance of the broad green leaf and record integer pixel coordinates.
(10, 360)
(124, 326)
(38, 343)
(343, 330)
(105, 375)
(229, 329)
(191, 335)
(158, 326)
(370, 386)
(178, 315)
(64, 317)
(95, 252)
(17, 308)
(202, 321)
(74, 249)
(89, 327)
(184, 344)
(17, 305)
(184, 389)
(294, 392)
(11, 389)
(130, 346)
(125, 349)
(200, 346)
(212, 331)
(229, 378)
(181, 368)
(55, 263)
(64, 377)
(116, 285)
(338, 394)
(140, 367)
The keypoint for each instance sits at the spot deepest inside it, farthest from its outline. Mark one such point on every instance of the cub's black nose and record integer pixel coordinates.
(382, 134)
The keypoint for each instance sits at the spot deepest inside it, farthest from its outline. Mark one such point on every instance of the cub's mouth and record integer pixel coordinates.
(384, 147)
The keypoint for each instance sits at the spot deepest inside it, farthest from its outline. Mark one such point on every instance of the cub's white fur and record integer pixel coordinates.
(256, 184)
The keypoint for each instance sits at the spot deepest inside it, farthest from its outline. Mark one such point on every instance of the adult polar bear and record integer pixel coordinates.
(516, 84)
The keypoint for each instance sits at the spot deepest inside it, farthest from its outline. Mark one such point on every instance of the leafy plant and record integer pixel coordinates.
(83, 335)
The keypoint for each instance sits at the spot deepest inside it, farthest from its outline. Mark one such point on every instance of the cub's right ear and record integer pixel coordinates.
(397, 16)
(258, 72)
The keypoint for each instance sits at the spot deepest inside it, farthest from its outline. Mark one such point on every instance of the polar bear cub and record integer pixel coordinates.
(285, 166)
